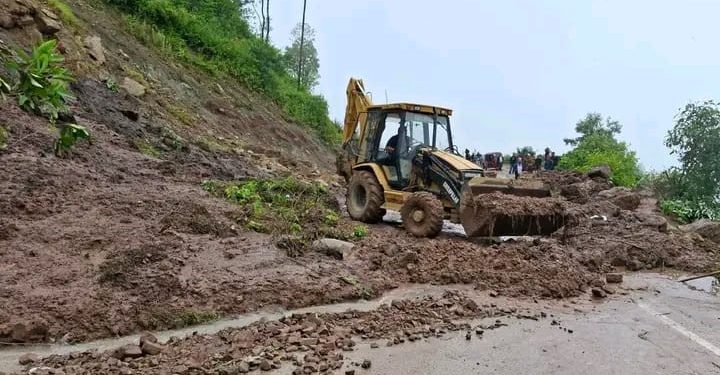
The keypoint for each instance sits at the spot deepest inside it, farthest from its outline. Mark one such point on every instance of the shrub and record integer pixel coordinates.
(42, 81)
(602, 149)
(69, 135)
(687, 211)
(360, 231)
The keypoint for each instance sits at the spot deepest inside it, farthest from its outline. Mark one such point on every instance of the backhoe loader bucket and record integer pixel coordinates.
(504, 207)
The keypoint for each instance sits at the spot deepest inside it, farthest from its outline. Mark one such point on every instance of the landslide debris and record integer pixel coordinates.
(309, 343)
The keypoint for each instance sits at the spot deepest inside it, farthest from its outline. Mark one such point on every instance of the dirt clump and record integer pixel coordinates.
(309, 342)
(499, 214)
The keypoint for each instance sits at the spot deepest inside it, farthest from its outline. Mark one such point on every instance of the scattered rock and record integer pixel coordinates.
(47, 22)
(602, 171)
(366, 364)
(95, 49)
(332, 247)
(598, 293)
(132, 87)
(265, 365)
(128, 351)
(147, 337)
(350, 372)
(614, 278)
(243, 367)
(28, 358)
(374, 345)
(25, 21)
(152, 347)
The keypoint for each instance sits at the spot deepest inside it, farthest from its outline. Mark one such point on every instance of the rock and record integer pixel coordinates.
(25, 21)
(265, 365)
(374, 345)
(335, 248)
(366, 364)
(28, 358)
(602, 171)
(147, 337)
(32, 331)
(598, 293)
(47, 22)
(128, 351)
(152, 348)
(652, 220)
(243, 367)
(614, 278)
(621, 197)
(350, 372)
(6, 22)
(132, 87)
(95, 49)
(708, 229)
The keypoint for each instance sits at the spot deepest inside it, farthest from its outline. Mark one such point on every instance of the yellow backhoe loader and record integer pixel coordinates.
(402, 157)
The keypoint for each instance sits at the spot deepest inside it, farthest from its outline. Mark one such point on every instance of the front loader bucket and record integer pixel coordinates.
(502, 207)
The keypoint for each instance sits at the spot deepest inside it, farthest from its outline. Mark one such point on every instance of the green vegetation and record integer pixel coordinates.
(146, 148)
(215, 36)
(42, 82)
(3, 138)
(64, 12)
(309, 74)
(692, 191)
(286, 206)
(112, 85)
(4, 88)
(69, 135)
(360, 231)
(597, 146)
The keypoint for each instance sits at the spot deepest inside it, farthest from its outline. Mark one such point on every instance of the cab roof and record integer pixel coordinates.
(412, 107)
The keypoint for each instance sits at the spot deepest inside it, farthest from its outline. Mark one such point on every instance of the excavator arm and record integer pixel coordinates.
(356, 109)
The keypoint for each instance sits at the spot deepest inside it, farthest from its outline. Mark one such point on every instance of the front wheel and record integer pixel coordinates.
(422, 214)
(365, 197)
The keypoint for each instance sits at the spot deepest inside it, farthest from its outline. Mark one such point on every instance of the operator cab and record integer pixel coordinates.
(401, 130)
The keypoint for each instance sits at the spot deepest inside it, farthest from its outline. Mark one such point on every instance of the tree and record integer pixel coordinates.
(597, 146)
(526, 151)
(695, 139)
(263, 18)
(310, 64)
(593, 124)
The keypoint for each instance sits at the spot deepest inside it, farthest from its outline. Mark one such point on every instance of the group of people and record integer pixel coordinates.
(548, 161)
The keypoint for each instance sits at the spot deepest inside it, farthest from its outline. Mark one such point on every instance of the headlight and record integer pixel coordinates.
(469, 175)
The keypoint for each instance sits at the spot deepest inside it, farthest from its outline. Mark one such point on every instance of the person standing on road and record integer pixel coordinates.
(538, 162)
(518, 167)
(467, 154)
(513, 164)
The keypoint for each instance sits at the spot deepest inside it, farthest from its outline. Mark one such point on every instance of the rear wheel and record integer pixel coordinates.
(365, 197)
(422, 214)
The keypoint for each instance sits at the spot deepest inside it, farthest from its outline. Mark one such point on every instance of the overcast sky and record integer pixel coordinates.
(521, 72)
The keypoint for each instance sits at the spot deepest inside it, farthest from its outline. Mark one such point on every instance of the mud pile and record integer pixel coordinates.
(499, 214)
(310, 343)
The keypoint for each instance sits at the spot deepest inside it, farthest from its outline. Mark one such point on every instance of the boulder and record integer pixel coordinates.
(132, 87)
(708, 229)
(152, 348)
(128, 351)
(602, 171)
(47, 22)
(28, 358)
(622, 197)
(95, 49)
(614, 278)
(332, 247)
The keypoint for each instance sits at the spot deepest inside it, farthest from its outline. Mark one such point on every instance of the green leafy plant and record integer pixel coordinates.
(360, 231)
(331, 218)
(42, 81)
(69, 135)
(4, 88)
(687, 211)
(112, 85)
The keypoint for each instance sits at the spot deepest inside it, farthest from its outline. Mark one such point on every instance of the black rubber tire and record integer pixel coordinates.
(365, 198)
(431, 222)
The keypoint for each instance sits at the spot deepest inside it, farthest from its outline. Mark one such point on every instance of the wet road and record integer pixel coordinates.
(659, 327)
